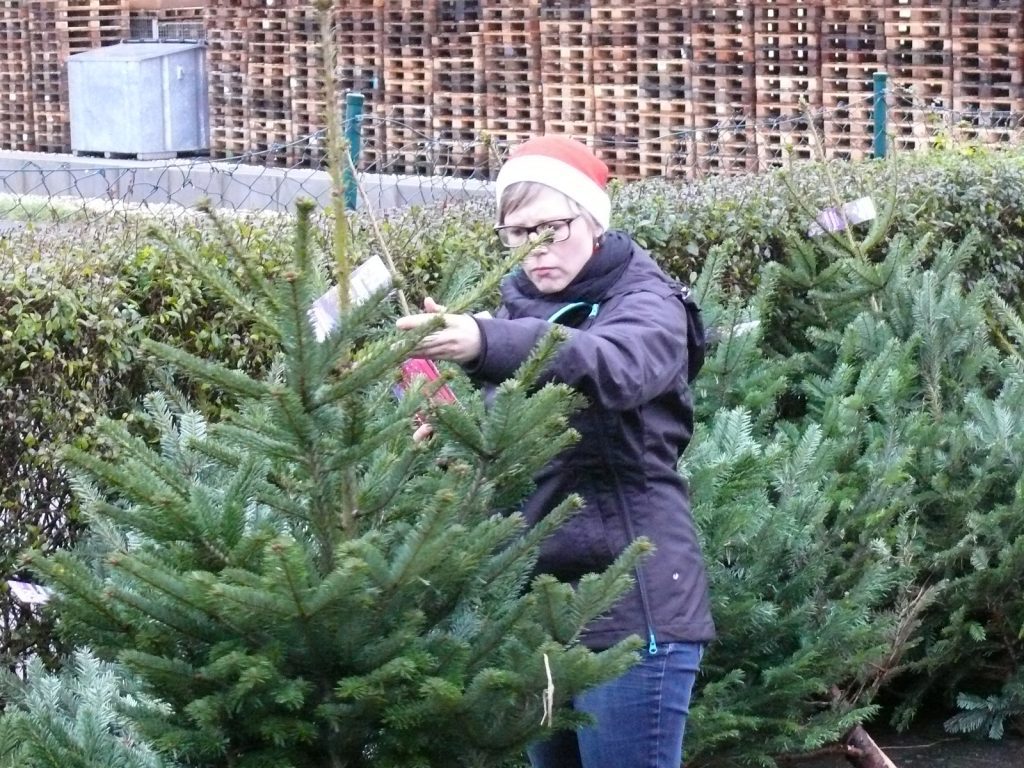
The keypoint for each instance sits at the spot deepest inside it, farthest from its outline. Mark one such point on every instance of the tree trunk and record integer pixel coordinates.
(865, 753)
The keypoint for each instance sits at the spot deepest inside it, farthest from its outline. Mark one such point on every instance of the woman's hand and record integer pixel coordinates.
(458, 340)
(423, 432)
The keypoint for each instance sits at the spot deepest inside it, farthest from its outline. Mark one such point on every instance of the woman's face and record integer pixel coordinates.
(552, 266)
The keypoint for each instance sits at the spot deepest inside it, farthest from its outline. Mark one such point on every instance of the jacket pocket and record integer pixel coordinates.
(584, 543)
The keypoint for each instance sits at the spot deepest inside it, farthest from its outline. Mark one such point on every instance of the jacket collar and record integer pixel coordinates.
(599, 275)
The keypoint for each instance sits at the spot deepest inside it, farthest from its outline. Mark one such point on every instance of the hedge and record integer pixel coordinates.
(77, 300)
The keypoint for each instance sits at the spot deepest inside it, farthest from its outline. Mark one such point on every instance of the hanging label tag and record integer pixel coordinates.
(30, 594)
(838, 218)
(366, 279)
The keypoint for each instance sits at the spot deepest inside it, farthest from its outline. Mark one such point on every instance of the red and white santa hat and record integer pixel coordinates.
(565, 165)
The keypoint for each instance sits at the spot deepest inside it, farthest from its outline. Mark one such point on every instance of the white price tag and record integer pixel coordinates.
(840, 217)
(365, 280)
(30, 594)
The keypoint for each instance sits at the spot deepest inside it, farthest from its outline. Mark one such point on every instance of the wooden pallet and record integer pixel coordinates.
(306, 85)
(724, 87)
(988, 51)
(513, 110)
(566, 92)
(641, 83)
(48, 52)
(919, 60)
(667, 141)
(16, 119)
(787, 69)
(227, 56)
(360, 59)
(93, 23)
(853, 48)
(658, 87)
(400, 49)
(267, 91)
(458, 145)
(457, 29)
(407, 29)
(786, 58)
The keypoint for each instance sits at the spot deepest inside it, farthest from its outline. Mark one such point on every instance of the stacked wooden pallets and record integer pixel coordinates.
(227, 56)
(265, 59)
(643, 77)
(919, 53)
(457, 105)
(567, 69)
(358, 36)
(48, 52)
(852, 50)
(306, 85)
(405, 43)
(56, 29)
(17, 129)
(510, 100)
(723, 86)
(988, 79)
(267, 87)
(658, 87)
(787, 40)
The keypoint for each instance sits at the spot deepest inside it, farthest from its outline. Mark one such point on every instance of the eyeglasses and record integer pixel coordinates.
(554, 231)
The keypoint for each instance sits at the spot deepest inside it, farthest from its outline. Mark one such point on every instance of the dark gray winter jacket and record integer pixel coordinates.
(629, 358)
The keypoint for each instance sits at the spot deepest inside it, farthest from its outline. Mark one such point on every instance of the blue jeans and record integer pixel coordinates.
(639, 717)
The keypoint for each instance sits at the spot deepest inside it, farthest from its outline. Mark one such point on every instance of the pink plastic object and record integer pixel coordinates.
(420, 368)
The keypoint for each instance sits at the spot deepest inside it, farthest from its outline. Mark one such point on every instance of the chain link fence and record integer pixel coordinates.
(41, 189)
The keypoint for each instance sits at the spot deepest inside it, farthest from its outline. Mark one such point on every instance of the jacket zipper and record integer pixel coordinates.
(627, 520)
(652, 643)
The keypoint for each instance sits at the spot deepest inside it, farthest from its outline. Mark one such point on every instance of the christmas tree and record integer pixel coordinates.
(813, 619)
(302, 584)
(927, 385)
(859, 482)
(76, 718)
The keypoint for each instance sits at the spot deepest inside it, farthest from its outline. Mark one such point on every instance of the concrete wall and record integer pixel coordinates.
(226, 185)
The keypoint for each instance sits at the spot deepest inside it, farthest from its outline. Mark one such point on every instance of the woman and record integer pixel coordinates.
(628, 354)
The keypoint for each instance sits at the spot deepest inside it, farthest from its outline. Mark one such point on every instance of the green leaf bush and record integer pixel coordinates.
(943, 195)
(77, 302)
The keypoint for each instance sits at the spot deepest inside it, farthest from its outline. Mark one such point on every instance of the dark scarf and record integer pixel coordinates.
(598, 275)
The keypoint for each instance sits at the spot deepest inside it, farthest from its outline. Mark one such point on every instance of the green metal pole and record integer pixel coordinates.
(354, 137)
(881, 115)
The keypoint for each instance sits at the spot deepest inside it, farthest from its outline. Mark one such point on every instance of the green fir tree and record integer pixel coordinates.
(79, 718)
(303, 585)
(916, 376)
(812, 618)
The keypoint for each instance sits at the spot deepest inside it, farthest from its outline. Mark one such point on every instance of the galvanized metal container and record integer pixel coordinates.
(146, 99)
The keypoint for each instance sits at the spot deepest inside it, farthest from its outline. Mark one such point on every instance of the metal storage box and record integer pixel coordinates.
(143, 99)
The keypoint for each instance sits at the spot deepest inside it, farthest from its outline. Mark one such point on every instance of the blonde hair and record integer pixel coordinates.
(519, 194)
